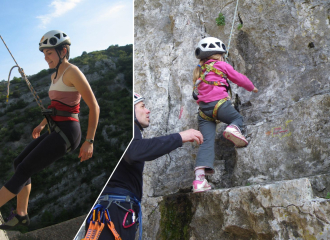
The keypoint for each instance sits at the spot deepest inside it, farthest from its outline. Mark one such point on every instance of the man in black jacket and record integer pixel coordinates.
(126, 180)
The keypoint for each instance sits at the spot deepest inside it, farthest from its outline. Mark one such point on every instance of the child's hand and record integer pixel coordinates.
(255, 90)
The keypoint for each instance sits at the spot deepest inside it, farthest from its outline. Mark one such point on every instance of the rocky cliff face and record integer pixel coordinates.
(3, 234)
(276, 188)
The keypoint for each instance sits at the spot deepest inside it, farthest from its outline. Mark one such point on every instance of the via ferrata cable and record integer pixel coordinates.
(231, 32)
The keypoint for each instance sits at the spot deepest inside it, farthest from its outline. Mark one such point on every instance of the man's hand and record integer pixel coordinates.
(191, 135)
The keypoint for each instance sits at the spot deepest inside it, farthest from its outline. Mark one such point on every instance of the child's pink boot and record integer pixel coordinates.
(233, 134)
(200, 184)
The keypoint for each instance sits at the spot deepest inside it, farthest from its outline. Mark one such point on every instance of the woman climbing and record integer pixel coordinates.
(68, 85)
(211, 92)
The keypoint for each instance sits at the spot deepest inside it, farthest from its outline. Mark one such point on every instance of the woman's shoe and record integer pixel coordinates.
(233, 134)
(15, 220)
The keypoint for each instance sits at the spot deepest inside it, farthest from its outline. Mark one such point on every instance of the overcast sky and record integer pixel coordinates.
(91, 25)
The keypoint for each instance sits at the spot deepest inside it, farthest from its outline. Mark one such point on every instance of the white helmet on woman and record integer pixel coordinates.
(208, 47)
(53, 39)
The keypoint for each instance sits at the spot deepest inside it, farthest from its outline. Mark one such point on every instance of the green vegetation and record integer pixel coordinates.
(220, 20)
(112, 86)
(328, 195)
(16, 80)
(239, 26)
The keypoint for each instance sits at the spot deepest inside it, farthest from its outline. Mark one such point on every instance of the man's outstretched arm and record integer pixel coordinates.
(152, 148)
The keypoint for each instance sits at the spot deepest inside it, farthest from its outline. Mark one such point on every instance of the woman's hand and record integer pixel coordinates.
(86, 151)
(36, 132)
(255, 90)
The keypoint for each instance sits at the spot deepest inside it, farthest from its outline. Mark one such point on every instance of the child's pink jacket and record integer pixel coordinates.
(210, 93)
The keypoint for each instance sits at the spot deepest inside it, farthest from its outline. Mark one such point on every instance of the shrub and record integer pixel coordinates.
(328, 195)
(220, 20)
(42, 73)
(15, 135)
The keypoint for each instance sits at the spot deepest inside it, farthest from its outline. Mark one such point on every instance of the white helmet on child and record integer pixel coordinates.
(53, 39)
(208, 47)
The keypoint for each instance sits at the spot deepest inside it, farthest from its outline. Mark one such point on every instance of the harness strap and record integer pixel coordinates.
(55, 112)
(52, 126)
(206, 68)
(215, 111)
(67, 142)
(66, 114)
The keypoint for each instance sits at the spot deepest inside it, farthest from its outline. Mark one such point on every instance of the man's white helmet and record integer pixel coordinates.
(53, 39)
(208, 47)
(138, 98)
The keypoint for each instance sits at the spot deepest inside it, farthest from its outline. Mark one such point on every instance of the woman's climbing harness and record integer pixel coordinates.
(47, 113)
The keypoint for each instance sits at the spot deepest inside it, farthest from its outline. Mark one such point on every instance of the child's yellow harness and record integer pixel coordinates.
(206, 68)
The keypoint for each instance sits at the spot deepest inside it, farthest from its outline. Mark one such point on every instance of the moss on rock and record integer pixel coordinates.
(176, 215)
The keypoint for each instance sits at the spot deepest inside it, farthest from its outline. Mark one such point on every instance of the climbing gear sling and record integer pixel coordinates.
(117, 199)
(47, 113)
(96, 223)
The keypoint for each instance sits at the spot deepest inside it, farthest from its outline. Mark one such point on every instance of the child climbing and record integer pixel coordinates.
(68, 85)
(211, 92)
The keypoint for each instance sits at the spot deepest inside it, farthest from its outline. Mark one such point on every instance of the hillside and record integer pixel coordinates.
(278, 187)
(68, 188)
